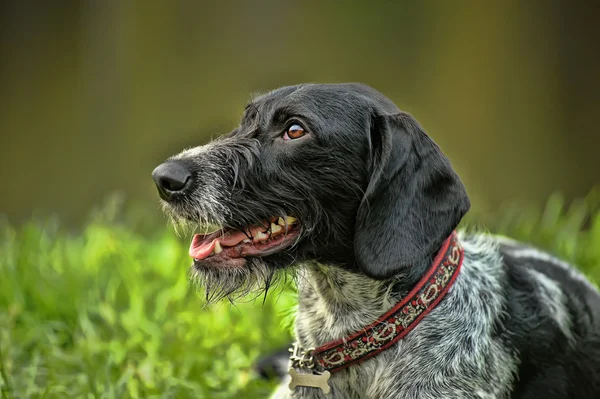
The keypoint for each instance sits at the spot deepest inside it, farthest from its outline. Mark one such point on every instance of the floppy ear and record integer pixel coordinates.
(413, 202)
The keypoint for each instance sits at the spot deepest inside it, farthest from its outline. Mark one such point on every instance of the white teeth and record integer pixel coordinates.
(247, 240)
(275, 228)
(260, 236)
(218, 248)
(287, 221)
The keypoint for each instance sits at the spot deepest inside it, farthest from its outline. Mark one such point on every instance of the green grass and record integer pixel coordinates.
(107, 311)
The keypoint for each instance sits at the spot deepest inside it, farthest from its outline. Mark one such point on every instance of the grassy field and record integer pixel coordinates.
(106, 311)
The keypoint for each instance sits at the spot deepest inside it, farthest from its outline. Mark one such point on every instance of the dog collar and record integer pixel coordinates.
(317, 363)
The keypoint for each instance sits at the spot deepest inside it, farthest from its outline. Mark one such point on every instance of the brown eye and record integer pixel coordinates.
(293, 132)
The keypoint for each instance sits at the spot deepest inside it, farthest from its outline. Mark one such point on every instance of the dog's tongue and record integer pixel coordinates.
(202, 246)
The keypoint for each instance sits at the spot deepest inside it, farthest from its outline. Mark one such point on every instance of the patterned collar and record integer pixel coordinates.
(314, 366)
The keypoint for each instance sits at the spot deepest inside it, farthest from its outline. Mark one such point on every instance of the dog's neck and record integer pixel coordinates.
(334, 302)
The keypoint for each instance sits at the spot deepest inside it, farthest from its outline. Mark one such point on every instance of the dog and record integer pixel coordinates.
(336, 183)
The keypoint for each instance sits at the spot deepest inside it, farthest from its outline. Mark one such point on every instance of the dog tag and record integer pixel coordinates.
(310, 380)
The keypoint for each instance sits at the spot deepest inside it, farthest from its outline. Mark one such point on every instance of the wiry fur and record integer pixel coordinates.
(375, 198)
(235, 283)
(450, 354)
(469, 345)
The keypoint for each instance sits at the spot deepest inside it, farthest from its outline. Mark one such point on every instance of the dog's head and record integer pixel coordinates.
(334, 173)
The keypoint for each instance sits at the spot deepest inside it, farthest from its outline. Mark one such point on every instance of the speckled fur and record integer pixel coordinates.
(454, 352)
(450, 354)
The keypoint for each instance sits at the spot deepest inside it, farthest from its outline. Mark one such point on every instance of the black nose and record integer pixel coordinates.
(171, 178)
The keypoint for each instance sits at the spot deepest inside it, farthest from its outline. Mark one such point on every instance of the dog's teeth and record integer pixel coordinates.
(287, 221)
(247, 240)
(218, 248)
(275, 228)
(260, 236)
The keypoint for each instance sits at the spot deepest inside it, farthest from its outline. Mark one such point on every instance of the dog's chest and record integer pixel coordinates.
(334, 303)
(450, 353)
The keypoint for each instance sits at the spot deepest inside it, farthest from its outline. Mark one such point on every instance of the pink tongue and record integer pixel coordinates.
(199, 249)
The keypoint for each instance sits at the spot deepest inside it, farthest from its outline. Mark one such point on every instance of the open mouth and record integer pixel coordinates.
(272, 236)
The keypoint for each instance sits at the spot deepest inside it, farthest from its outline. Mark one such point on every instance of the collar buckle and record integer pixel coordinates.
(302, 359)
(307, 374)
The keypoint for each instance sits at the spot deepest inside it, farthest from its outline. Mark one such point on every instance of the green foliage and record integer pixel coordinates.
(109, 311)
(570, 232)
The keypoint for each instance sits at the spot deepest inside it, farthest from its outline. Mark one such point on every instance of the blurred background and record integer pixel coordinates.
(95, 94)
(95, 300)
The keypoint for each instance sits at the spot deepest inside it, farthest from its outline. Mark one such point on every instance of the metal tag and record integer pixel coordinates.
(309, 380)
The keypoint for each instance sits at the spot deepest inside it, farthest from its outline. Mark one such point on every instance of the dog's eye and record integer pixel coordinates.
(295, 131)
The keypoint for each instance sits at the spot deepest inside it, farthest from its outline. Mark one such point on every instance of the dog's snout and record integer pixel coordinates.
(171, 178)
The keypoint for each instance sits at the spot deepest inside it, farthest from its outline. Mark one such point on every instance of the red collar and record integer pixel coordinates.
(393, 325)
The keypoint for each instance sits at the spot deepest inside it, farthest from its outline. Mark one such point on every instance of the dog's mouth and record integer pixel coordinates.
(272, 236)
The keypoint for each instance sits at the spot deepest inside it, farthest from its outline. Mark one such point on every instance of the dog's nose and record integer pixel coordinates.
(171, 178)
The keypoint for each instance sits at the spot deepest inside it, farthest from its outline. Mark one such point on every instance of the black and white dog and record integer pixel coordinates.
(338, 182)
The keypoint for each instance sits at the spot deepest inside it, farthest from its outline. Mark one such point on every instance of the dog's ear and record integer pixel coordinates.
(413, 201)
